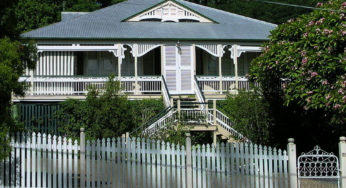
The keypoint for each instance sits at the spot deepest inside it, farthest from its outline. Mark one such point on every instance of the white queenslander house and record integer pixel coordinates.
(155, 48)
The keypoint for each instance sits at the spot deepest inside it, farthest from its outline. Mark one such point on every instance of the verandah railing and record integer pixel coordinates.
(74, 85)
(211, 84)
(49, 161)
(78, 85)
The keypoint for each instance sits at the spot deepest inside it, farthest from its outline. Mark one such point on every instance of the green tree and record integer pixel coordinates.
(272, 13)
(250, 115)
(8, 21)
(308, 53)
(14, 58)
(32, 14)
(302, 75)
(146, 109)
(83, 6)
(105, 113)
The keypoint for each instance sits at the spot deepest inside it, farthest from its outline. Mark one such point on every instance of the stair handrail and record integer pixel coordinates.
(156, 125)
(165, 93)
(153, 119)
(226, 125)
(199, 94)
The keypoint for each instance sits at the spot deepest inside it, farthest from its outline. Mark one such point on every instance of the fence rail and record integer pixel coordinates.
(49, 161)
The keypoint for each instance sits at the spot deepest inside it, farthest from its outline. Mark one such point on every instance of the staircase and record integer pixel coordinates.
(219, 123)
(193, 110)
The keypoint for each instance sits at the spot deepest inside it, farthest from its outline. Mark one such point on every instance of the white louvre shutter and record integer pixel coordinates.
(186, 70)
(54, 64)
(171, 68)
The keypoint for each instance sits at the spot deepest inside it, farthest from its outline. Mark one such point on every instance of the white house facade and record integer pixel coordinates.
(155, 48)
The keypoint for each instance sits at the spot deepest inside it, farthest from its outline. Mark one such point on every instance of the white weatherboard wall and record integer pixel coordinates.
(48, 161)
(52, 63)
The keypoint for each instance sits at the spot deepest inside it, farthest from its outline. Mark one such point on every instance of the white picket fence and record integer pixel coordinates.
(41, 161)
(49, 161)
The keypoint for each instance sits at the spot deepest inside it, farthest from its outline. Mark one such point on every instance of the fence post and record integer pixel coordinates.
(188, 161)
(82, 158)
(342, 158)
(214, 138)
(292, 163)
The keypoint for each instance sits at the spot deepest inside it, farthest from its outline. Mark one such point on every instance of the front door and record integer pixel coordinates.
(178, 69)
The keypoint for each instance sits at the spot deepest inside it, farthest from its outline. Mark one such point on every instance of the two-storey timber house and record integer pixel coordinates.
(155, 48)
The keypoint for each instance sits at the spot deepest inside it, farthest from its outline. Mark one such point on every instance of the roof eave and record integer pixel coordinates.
(148, 39)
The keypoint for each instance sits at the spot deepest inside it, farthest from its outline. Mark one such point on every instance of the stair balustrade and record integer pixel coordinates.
(193, 116)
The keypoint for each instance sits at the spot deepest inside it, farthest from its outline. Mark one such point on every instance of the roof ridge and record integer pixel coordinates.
(230, 13)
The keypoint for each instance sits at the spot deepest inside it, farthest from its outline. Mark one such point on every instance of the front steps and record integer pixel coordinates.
(212, 119)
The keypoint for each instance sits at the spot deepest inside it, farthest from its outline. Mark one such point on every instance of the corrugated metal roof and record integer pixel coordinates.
(107, 23)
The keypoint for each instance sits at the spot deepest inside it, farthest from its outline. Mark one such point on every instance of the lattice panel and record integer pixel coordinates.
(142, 49)
(210, 48)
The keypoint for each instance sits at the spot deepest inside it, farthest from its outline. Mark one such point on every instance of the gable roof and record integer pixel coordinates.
(108, 24)
(167, 5)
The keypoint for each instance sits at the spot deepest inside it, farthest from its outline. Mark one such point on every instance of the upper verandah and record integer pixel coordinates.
(110, 24)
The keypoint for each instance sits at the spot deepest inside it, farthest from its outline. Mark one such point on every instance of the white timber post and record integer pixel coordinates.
(162, 63)
(292, 163)
(119, 53)
(82, 158)
(219, 49)
(235, 60)
(214, 122)
(214, 138)
(206, 109)
(194, 58)
(135, 55)
(172, 102)
(32, 82)
(214, 111)
(178, 108)
(188, 161)
(342, 159)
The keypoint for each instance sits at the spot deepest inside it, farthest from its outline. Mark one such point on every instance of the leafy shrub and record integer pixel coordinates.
(106, 114)
(249, 114)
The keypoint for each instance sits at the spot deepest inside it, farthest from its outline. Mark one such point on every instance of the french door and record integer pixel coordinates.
(178, 69)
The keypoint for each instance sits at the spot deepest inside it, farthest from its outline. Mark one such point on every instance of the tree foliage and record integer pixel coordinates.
(308, 54)
(250, 115)
(272, 13)
(34, 14)
(14, 58)
(105, 113)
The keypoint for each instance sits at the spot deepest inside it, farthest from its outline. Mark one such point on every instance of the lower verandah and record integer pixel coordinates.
(70, 73)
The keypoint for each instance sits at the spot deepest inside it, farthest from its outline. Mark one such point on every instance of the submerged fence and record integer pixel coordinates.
(49, 161)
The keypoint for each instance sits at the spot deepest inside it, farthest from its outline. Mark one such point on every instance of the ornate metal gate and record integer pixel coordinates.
(318, 167)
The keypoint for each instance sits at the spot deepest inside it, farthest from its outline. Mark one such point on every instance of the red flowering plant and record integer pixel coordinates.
(304, 60)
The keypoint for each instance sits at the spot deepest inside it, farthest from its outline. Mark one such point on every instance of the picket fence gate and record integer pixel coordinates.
(48, 161)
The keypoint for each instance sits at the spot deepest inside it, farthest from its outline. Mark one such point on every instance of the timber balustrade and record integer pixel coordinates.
(79, 85)
(211, 84)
